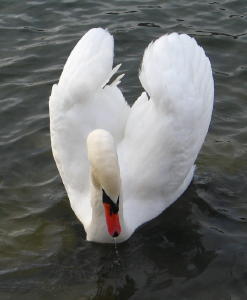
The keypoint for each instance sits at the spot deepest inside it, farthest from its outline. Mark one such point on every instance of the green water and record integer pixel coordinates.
(197, 248)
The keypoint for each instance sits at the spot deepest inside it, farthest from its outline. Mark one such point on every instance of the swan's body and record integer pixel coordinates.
(144, 156)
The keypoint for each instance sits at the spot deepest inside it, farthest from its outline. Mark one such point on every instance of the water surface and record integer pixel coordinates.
(196, 249)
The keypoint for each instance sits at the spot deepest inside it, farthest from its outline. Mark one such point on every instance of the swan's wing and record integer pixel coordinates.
(81, 102)
(165, 133)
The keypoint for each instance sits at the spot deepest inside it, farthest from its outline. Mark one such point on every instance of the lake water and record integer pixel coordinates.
(196, 249)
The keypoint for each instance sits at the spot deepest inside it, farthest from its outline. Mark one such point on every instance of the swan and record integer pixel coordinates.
(122, 166)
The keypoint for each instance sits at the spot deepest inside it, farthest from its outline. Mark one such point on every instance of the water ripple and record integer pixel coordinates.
(199, 242)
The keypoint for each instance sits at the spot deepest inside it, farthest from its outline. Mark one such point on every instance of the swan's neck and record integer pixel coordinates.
(105, 189)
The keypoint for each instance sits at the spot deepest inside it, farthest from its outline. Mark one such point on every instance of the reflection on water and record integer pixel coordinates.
(163, 254)
(197, 248)
(158, 256)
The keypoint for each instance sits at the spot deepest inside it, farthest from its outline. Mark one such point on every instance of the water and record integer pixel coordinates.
(197, 248)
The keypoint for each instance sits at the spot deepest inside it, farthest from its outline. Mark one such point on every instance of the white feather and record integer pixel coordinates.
(78, 105)
(157, 140)
(164, 135)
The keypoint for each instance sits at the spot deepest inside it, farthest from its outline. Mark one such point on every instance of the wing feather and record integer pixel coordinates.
(80, 103)
(164, 134)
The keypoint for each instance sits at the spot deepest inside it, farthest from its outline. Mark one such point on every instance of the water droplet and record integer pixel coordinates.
(117, 261)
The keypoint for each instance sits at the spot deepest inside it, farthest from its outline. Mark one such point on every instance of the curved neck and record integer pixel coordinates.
(104, 176)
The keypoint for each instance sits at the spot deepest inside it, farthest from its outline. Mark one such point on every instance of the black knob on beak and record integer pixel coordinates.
(115, 234)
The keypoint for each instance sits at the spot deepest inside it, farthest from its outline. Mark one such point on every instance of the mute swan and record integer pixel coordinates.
(123, 166)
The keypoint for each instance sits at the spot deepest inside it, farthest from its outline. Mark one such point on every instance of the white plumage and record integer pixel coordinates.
(157, 140)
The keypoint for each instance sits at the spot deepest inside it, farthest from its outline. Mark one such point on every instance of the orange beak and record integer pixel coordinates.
(112, 221)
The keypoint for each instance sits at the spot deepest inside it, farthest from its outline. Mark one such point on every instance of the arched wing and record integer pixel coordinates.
(165, 133)
(81, 102)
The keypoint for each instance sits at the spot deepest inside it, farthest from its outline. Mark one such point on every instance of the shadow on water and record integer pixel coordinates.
(165, 257)
(161, 255)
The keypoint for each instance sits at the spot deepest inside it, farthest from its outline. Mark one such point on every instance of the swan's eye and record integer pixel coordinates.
(114, 207)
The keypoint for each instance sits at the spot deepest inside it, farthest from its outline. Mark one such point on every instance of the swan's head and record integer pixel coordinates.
(105, 177)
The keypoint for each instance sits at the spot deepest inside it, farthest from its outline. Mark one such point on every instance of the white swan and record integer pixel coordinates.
(123, 166)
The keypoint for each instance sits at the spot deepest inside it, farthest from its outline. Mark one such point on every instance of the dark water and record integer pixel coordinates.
(197, 248)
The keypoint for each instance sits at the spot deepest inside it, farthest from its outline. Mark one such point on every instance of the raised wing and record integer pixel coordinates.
(81, 102)
(165, 133)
